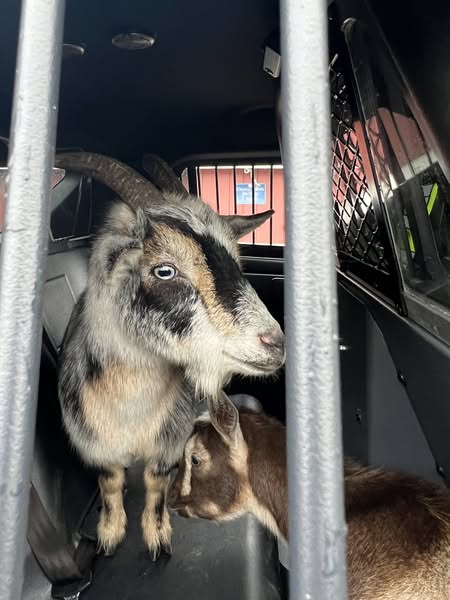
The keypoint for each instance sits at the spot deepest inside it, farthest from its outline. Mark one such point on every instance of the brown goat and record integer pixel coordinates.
(398, 525)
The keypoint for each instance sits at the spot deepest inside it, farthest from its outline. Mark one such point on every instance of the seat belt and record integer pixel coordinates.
(69, 571)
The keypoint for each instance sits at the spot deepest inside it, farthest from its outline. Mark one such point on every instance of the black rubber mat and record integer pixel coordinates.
(231, 561)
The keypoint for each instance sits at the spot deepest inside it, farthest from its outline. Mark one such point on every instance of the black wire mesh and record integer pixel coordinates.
(357, 228)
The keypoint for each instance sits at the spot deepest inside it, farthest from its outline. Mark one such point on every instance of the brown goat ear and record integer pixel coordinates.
(240, 225)
(224, 417)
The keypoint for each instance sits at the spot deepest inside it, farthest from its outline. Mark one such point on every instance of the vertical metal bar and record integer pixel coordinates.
(199, 183)
(217, 189)
(192, 180)
(234, 190)
(253, 199)
(271, 204)
(278, 121)
(317, 528)
(22, 264)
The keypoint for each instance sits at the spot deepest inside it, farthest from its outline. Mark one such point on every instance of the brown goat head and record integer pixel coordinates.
(208, 466)
(218, 479)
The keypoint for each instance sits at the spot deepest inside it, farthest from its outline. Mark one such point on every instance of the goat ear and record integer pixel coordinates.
(240, 225)
(224, 417)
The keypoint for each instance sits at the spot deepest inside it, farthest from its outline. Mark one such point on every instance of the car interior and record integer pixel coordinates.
(199, 84)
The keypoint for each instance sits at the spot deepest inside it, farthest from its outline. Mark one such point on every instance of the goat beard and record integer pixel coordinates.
(208, 382)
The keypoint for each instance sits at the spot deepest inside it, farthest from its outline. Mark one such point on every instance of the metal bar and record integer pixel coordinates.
(22, 264)
(234, 190)
(217, 189)
(192, 180)
(224, 158)
(253, 199)
(199, 183)
(278, 120)
(271, 204)
(317, 528)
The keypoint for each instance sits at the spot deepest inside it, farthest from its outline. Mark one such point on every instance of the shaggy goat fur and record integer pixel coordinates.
(398, 545)
(166, 319)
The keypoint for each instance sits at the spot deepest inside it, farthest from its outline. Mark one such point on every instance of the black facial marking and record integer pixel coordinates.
(174, 302)
(225, 270)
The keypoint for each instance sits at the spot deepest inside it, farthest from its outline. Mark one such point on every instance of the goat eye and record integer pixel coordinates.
(195, 461)
(165, 272)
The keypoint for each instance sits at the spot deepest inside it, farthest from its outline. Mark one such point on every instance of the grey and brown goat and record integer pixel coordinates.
(167, 318)
(398, 525)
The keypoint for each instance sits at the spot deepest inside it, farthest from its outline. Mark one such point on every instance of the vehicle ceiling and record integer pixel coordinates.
(200, 88)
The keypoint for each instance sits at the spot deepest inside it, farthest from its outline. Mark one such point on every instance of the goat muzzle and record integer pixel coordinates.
(274, 346)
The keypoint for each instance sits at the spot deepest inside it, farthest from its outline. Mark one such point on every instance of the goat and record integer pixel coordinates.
(167, 318)
(398, 545)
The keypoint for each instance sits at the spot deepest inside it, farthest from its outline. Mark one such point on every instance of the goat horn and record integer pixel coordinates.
(162, 175)
(134, 189)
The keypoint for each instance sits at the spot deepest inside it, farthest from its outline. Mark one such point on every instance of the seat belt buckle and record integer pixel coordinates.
(72, 589)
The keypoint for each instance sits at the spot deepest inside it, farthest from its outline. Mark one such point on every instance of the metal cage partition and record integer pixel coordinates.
(22, 263)
(317, 530)
(316, 506)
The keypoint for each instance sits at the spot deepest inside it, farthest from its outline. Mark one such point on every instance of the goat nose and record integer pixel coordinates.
(275, 341)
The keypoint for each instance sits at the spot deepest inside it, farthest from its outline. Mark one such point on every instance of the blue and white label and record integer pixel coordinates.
(244, 193)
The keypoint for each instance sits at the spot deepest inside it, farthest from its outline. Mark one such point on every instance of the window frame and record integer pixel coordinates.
(232, 159)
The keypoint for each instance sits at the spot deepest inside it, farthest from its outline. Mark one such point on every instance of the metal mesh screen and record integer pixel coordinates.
(357, 228)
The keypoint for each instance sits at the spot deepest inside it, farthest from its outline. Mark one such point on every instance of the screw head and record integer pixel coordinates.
(440, 470)
(133, 41)
(401, 378)
(70, 50)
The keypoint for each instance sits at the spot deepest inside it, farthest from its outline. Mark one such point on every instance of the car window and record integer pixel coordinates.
(243, 189)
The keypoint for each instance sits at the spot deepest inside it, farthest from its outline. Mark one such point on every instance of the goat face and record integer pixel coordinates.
(209, 483)
(172, 275)
(212, 480)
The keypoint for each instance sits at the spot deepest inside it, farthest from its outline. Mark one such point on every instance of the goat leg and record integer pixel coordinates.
(112, 524)
(156, 526)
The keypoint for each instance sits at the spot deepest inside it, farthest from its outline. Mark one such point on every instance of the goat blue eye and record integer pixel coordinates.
(165, 272)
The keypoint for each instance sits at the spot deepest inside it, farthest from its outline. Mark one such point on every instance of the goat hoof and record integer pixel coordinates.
(106, 550)
(154, 553)
(167, 549)
(111, 531)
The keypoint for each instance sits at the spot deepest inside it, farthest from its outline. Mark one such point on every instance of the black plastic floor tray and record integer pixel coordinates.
(232, 561)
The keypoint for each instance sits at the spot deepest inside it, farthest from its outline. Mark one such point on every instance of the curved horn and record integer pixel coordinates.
(133, 189)
(162, 175)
